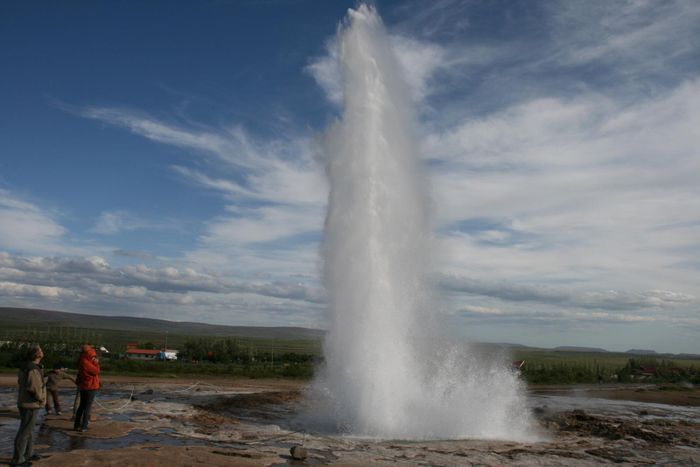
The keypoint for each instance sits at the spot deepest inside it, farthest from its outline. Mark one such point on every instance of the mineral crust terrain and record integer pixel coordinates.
(220, 422)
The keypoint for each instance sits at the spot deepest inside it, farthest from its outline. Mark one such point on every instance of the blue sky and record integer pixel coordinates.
(161, 159)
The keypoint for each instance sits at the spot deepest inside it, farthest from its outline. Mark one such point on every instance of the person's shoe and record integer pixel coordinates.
(58, 412)
(35, 457)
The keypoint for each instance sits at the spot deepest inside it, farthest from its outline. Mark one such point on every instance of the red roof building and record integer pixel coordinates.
(142, 354)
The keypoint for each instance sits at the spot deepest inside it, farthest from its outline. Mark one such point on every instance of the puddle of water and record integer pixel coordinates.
(59, 441)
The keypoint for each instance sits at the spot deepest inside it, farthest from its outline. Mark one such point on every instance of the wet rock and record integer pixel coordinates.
(298, 453)
(148, 392)
(612, 428)
(617, 455)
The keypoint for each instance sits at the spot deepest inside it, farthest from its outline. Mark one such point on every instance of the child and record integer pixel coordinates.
(54, 377)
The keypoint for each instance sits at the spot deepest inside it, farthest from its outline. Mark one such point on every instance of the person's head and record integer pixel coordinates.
(35, 353)
(58, 367)
(88, 351)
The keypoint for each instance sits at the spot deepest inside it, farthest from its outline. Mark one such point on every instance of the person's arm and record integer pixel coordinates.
(63, 375)
(35, 385)
(90, 367)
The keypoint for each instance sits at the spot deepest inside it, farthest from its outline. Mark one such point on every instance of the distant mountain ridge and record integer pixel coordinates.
(642, 352)
(14, 318)
(573, 348)
(19, 317)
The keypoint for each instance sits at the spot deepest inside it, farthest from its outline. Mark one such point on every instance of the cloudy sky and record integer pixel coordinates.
(162, 159)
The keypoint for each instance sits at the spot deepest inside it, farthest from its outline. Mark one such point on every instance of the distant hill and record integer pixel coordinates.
(579, 349)
(690, 356)
(642, 352)
(13, 318)
(142, 329)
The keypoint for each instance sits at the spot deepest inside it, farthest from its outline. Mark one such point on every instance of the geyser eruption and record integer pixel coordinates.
(387, 374)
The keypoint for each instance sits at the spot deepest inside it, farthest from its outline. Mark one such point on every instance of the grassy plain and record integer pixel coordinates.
(274, 352)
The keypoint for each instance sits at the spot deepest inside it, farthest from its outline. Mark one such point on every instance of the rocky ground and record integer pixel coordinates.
(144, 422)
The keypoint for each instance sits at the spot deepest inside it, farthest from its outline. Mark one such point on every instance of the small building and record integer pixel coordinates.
(134, 353)
(644, 372)
(142, 354)
(169, 354)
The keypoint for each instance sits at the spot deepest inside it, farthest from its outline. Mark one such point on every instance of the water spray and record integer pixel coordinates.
(388, 372)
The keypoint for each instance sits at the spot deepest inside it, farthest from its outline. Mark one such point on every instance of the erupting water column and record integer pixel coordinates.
(375, 234)
(381, 377)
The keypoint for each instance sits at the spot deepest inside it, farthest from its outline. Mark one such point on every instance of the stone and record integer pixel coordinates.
(298, 453)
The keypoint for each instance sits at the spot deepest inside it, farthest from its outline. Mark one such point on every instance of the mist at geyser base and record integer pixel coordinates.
(389, 372)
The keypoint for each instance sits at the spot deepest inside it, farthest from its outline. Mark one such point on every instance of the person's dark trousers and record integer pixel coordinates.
(52, 394)
(24, 442)
(76, 404)
(82, 418)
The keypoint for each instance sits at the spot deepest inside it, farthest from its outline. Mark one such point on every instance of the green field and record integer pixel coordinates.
(282, 352)
(115, 340)
(198, 355)
(602, 359)
(556, 367)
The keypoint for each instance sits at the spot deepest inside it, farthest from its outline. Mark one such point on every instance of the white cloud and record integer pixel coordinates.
(133, 254)
(26, 227)
(24, 290)
(155, 130)
(231, 146)
(587, 188)
(645, 32)
(119, 221)
(123, 292)
(481, 310)
(90, 277)
(276, 188)
(607, 300)
(262, 225)
(553, 317)
(115, 222)
(229, 187)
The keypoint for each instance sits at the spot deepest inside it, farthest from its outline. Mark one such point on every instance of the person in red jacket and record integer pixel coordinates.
(88, 381)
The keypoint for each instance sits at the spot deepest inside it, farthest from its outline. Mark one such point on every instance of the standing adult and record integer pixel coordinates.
(88, 381)
(30, 398)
